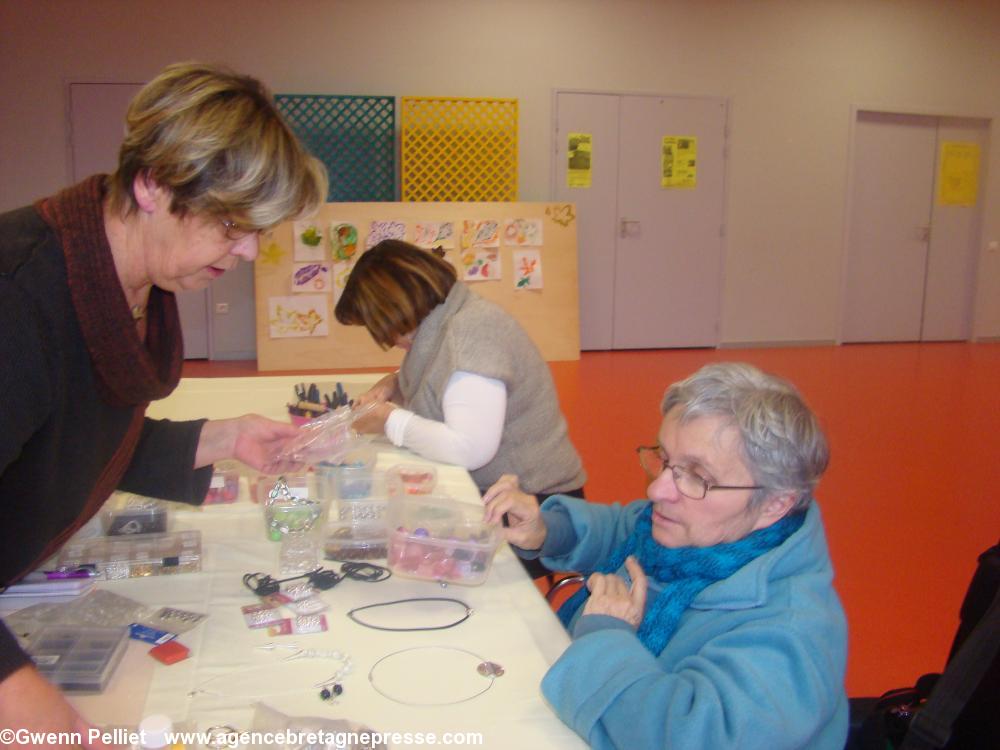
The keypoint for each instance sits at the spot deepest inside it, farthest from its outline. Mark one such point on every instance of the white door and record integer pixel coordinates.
(910, 261)
(650, 256)
(97, 117)
(596, 208)
(954, 241)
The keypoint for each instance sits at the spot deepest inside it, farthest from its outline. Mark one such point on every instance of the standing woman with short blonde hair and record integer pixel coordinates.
(90, 334)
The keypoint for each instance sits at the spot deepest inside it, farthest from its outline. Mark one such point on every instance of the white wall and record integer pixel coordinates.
(791, 68)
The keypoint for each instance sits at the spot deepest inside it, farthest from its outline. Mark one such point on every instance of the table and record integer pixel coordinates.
(511, 624)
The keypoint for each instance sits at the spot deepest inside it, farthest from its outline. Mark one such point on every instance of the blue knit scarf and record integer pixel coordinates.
(684, 570)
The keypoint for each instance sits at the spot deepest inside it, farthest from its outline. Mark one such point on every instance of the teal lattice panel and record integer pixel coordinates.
(354, 136)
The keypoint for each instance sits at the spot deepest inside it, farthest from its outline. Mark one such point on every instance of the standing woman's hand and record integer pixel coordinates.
(527, 528)
(252, 439)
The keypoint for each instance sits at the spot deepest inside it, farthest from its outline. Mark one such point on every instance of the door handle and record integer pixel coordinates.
(924, 233)
(623, 230)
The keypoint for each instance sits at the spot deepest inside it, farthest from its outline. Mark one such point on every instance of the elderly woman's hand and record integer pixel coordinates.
(527, 528)
(609, 594)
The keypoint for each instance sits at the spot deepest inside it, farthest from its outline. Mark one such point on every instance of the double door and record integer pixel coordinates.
(911, 256)
(650, 255)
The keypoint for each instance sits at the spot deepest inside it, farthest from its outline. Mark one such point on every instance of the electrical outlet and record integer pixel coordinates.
(221, 308)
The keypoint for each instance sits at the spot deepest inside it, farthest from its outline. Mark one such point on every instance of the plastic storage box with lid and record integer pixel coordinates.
(125, 513)
(350, 540)
(357, 529)
(436, 538)
(292, 502)
(351, 478)
(411, 479)
(78, 659)
(225, 484)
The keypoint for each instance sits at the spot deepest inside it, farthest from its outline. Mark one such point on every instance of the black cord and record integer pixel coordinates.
(364, 571)
(468, 613)
(264, 585)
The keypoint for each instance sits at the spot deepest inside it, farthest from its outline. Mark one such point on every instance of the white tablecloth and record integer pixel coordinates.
(511, 624)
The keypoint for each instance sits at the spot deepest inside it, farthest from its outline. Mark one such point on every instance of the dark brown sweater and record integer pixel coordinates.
(59, 433)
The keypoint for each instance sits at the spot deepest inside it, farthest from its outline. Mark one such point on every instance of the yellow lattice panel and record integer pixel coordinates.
(458, 149)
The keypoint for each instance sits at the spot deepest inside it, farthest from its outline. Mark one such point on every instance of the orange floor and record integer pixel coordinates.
(913, 490)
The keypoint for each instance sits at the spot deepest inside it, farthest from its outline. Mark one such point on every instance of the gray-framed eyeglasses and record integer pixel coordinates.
(688, 483)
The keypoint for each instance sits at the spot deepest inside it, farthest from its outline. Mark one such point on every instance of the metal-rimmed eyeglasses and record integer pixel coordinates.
(688, 483)
(234, 231)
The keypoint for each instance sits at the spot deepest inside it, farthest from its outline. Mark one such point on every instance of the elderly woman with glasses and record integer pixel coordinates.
(709, 618)
(90, 333)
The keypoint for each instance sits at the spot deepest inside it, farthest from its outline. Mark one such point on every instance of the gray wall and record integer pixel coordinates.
(792, 69)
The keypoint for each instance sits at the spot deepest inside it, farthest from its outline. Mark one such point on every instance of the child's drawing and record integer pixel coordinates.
(523, 232)
(304, 315)
(308, 240)
(482, 265)
(385, 230)
(311, 277)
(478, 233)
(343, 240)
(527, 269)
(430, 234)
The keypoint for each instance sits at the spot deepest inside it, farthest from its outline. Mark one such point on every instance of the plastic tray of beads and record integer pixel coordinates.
(136, 556)
(439, 539)
(349, 540)
(411, 479)
(78, 660)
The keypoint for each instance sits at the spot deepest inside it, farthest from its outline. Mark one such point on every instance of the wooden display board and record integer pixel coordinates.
(549, 314)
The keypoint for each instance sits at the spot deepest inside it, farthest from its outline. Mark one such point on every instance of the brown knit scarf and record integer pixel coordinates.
(128, 372)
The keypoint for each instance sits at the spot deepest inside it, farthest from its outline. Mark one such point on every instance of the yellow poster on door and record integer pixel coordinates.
(578, 166)
(958, 174)
(679, 161)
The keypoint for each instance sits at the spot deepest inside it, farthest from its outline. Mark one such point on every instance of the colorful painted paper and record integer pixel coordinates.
(679, 162)
(308, 240)
(527, 269)
(343, 240)
(522, 232)
(292, 317)
(481, 265)
(311, 277)
(385, 230)
(431, 234)
(341, 272)
(480, 233)
(958, 180)
(579, 164)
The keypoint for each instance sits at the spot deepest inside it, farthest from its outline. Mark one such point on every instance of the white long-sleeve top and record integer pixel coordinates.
(474, 409)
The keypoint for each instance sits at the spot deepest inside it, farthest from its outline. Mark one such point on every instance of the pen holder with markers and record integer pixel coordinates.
(436, 538)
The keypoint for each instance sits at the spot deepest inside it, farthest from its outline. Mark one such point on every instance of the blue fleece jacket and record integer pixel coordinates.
(757, 660)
